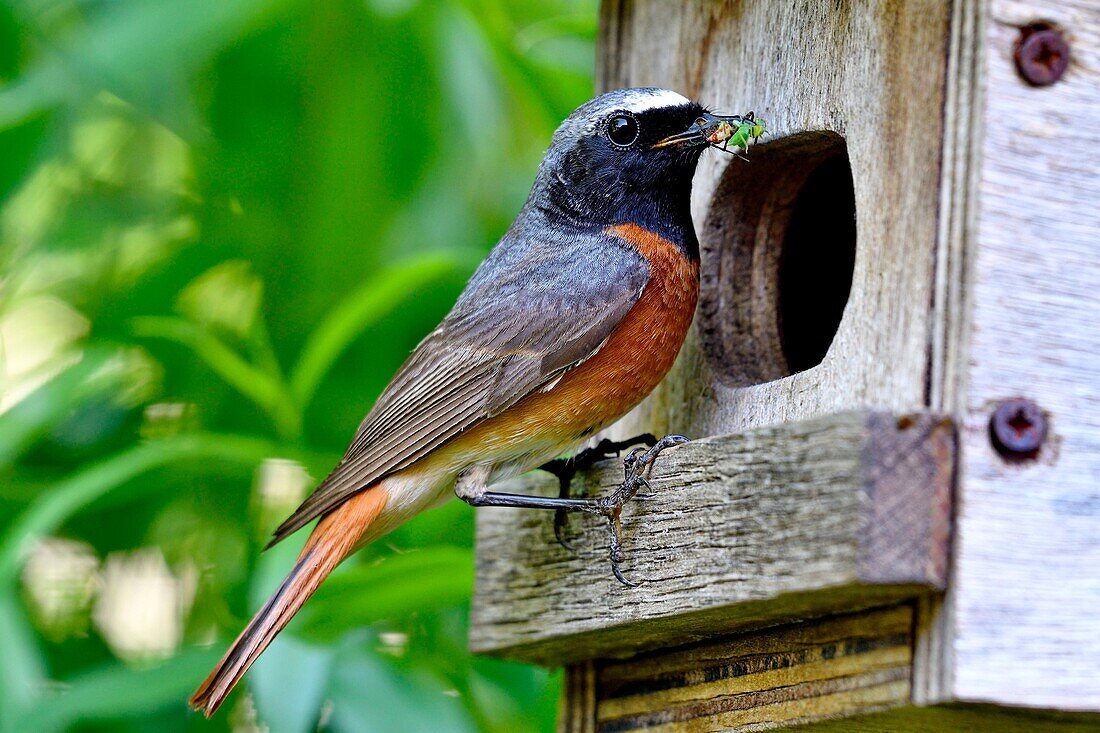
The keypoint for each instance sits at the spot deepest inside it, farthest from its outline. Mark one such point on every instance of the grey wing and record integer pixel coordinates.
(528, 315)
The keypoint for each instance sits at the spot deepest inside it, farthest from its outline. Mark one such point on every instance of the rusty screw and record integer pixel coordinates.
(1042, 54)
(1017, 428)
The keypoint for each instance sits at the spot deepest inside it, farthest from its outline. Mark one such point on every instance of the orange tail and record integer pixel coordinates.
(331, 541)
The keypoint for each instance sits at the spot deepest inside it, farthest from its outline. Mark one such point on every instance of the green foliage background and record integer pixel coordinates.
(223, 225)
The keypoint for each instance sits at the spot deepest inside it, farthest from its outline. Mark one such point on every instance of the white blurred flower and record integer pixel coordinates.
(165, 419)
(60, 577)
(142, 605)
(280, 486)
(394, 643)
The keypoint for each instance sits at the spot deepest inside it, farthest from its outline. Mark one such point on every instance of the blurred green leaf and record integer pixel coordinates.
(116, 50)
(377, 297)
(513, 697)
(289, 684)
(266, 390)
(449, 524)
(78, 491)
(33, 416)
(349, 161)
(113, 692)
(371, 695)
(228, 297)
(22, 666)
(393, 587)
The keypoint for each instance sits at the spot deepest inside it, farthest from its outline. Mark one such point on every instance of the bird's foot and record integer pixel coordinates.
(637, 467)
(566, 468)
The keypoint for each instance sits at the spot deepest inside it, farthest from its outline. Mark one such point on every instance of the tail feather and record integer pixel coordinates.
(334, 538)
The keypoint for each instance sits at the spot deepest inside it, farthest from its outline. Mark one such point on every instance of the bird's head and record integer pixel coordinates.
(627, 156)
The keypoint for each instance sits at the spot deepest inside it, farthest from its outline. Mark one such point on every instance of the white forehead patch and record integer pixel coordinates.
(643, 100)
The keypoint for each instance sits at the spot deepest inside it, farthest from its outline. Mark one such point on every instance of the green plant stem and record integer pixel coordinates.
(265, 389)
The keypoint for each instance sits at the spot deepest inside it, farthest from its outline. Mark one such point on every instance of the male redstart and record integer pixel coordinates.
(570, 321)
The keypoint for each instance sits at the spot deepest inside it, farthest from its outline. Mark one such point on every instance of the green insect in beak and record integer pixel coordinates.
(732, 131)
(748, 130)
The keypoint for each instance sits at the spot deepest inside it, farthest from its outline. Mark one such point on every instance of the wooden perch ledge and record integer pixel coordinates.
(834, 514)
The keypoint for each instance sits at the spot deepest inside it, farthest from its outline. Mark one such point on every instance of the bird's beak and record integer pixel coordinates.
(704, 126)
(708, 129)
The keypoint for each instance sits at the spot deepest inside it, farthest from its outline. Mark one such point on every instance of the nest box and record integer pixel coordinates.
(890, 516)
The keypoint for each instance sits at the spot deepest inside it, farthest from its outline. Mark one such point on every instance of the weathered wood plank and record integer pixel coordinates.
(1021, 616)
(961, 718)
(577, 711)
(763, 680)
(828, 675)
(837, 513)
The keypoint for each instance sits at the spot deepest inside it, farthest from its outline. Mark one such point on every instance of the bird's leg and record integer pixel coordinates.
(637, 468)
(471, 488)
(566, 468)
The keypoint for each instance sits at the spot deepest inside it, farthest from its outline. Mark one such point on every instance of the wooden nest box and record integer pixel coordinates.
(890, 519)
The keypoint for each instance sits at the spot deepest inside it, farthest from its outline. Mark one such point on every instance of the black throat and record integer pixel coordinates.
(592, 194)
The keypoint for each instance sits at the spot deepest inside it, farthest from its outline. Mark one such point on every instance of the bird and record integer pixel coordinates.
(570, 321)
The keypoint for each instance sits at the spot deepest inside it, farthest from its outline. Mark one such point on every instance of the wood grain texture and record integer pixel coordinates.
(958, 718)
(869, 75)
(977, 279)
(1021, 616)
(577, 711)
(763, 680)
(837, 513)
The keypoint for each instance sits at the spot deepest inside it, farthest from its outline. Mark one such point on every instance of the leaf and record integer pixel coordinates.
(377, 297)
(33, 416)
(288, 683)
(114, 692)
(434, 577)
(509, 697)
(264, 389)
(22, 666)
(113, 50)
(68, 497)
(371, 695)
(228, 296)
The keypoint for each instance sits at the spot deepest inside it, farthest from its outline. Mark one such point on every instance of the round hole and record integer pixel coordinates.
(815, 266)
(778, 255)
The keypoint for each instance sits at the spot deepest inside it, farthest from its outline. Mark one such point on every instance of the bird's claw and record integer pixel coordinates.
(637, 467)
(566, 468)
(560, 519)
(616, 553)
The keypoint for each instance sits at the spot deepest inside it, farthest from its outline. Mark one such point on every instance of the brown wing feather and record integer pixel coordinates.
(507, 337)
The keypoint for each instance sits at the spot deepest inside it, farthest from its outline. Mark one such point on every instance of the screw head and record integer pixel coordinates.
(1042, 54)
(1018, 428)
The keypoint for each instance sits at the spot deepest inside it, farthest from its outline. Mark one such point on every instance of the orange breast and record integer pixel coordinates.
(632, 361)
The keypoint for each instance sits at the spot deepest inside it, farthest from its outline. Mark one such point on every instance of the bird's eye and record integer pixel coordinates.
(622, 130)
(701, 122)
